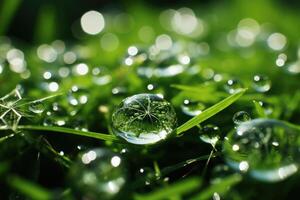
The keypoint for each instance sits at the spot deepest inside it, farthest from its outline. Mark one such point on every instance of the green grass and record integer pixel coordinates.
(36, 159)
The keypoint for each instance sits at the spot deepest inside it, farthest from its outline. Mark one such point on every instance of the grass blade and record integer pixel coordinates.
(210, 112)
(29, 189)
(90, 134)
(220, 187)
(176, 189)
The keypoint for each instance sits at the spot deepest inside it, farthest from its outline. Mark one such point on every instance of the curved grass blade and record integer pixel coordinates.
(176, 189)
(90, 134)
(210, 112)
(167, 170)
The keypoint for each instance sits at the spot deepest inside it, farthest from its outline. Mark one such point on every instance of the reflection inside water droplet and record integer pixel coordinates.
(266, 149)
(144, 119)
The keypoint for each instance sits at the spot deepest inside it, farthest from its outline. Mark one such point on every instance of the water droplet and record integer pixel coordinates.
(233, 85)
(261, 83)
(97, 173)
(240, 117)
(192, 108)
(36, 107)
(268, 150)
(144, 119)
(210, 134)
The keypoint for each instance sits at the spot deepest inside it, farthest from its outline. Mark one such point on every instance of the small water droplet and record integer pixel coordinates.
(265, 149)
(240, 117)
(144, 119)
(233, 85)
(261, 83)
(192, 108)
(210, 134)
(97, 173)
(36, 107)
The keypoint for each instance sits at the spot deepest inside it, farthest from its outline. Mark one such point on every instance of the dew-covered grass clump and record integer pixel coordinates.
(188, 100)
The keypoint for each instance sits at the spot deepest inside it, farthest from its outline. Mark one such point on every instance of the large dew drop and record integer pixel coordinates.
(98, 173)
(268, 150)
(144, 119)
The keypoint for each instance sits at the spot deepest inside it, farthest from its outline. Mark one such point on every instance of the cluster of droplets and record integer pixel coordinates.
(68, 62)
(260, 83)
